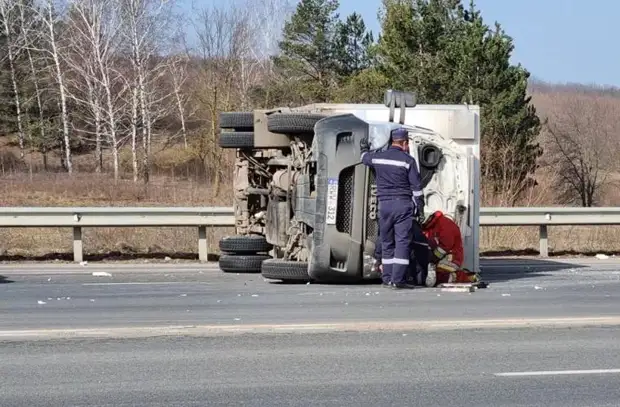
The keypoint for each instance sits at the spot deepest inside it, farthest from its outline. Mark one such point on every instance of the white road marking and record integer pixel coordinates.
(319, 327)
(154, 283)
(558, 372)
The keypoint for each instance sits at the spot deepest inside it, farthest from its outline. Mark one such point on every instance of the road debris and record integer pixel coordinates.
(101, 274)
(465, 289)
(461, 287)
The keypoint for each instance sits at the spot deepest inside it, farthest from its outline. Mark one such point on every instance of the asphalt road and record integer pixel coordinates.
(455, 368)
(69, 338)
(47, 296)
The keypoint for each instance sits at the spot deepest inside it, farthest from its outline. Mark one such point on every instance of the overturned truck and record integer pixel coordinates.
(306, 208)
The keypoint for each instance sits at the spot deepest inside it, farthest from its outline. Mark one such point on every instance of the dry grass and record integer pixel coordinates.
(181, 243)
(100, 190)
(563, 240)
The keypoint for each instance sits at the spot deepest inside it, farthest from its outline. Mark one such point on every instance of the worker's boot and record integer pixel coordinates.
(403, 286)
(431, 277)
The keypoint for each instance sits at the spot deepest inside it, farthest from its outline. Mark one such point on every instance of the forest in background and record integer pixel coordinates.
(116, 102)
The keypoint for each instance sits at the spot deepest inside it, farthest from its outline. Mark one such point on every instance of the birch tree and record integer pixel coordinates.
(9, 18)
(30, 36)
(51, 48)
(177, 69)
(145, 28)
(95, 44)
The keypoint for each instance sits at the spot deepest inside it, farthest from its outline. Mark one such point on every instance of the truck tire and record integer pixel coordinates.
(285, 270)
(231, 263)
(293, 123)
(240, 121)
(238, 139)
(245, 244)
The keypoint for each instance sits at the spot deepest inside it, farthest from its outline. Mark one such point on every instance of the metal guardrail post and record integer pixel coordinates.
(203, 254)
(544, 241)
(78, 253)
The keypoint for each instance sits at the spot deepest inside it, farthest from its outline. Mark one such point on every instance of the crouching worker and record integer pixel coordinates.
(446, 252)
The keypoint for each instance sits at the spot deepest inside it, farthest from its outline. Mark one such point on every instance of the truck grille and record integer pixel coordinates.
(372, 221)
(344, 212)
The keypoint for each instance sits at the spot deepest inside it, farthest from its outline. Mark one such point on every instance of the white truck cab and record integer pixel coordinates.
(454, 187)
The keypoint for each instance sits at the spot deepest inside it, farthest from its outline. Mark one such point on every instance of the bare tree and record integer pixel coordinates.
(9, 18)
(50, 16)
(30, 37)
(580, 135)
(94, 48)
(222, 36)
(146, 24)
(177, 69)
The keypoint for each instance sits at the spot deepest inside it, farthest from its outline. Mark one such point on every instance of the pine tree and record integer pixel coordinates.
(447, 54)
(353, 46)
(307, 52)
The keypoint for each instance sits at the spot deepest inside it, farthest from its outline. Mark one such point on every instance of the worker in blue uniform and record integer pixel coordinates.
(400, 199)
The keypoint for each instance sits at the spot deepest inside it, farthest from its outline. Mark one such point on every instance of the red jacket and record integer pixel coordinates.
(444, 233)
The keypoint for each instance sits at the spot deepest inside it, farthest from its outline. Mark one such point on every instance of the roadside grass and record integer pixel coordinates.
(27, 185)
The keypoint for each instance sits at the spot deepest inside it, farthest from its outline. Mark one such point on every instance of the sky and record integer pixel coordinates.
(556, 40)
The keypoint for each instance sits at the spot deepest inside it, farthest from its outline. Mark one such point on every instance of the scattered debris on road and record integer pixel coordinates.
(462, 287)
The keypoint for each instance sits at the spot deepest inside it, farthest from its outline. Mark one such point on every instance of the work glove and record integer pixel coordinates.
(420, 216)
(364, 145)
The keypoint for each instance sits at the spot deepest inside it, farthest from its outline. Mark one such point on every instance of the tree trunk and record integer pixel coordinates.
(35, 79)
(134, 134)
(177, 94)
(98, 150)
(61, 87)
(18, 110)
(146, 145)
(115, 161)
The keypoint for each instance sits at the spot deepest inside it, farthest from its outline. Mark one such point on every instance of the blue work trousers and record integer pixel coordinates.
(395, 223)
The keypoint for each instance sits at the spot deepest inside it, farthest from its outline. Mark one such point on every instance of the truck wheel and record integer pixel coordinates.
(245, 244)
(293, 123)
(240, 121)
(285, 270)
(238, 139)
(230, 263)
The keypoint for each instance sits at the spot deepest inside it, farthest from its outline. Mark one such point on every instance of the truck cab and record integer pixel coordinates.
(314, 203)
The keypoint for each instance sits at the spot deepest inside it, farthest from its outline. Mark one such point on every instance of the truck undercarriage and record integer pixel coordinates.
(305, 207)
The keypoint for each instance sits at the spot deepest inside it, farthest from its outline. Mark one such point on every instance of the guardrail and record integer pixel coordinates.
(203, 217)
(549, 216)
(78, 218)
